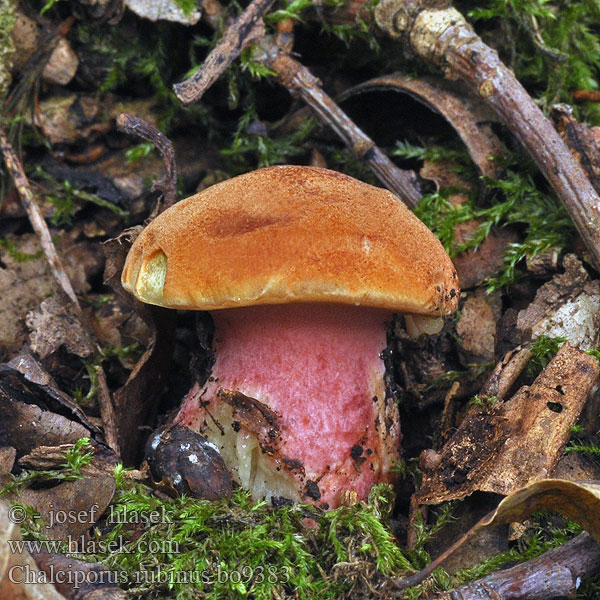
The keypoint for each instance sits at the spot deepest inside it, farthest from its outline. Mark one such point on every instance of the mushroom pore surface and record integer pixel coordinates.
(296, 401)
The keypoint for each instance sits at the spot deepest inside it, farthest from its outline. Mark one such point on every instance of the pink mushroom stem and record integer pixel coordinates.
(296, 402)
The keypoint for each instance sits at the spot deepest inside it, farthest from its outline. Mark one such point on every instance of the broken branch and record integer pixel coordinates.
(15, 169)
(168, 184)
(299, 80)
(439, 34)
(556, 573)
(246, 30)
(274, 53)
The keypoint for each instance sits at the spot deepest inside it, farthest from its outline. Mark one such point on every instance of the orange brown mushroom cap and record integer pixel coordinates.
(296, 401)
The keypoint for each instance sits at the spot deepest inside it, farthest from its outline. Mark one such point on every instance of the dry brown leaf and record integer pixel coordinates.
(86, 498)
(579, 501)
(96, 578)
(515, 442)
(27, 426)
(55, 324)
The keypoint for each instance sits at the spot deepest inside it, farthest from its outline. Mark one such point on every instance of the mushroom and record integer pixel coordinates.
(301, 269)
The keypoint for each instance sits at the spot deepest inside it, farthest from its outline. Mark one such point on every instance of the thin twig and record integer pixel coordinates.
(585, 96)
(246, 30)
(439, 34)
(168, 184)
(107, 411)
(13, 164)
(274, 54)
(299, 80)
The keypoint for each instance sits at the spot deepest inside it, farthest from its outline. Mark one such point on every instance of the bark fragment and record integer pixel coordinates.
(513, 443)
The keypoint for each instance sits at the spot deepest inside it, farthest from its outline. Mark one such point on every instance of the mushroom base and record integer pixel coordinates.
(296, 401)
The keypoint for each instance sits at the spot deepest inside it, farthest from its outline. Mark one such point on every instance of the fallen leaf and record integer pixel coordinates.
(163, 10)
(26, 426)
(579, 501)
(57, 324)
(81, 501)
(81, 580)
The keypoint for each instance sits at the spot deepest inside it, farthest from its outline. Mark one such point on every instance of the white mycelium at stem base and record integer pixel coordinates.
(318, 369)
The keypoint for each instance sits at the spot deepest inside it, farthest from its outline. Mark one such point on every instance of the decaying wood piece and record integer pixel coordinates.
(506, 373)
(439, 34)
(469, 117)
(13, 164)
(555, 574)
(567, 306)
(518, 441)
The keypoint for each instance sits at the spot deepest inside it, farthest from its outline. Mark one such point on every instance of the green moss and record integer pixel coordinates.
(516, 200)
(554, 47)
(543, 349)
(7, 48)
(75, 460)
(235, 548)
(16, 254)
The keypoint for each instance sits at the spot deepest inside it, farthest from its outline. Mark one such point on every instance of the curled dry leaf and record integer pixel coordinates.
(579, 501)
(510, 444)
(42, 389)
(26, 426)
(466, 113)
(13, 565)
